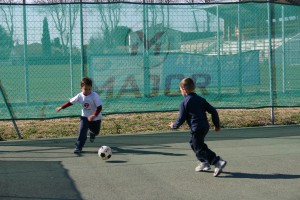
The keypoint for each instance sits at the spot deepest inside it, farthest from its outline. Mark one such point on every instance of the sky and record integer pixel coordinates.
(134, 1)
(181, 19)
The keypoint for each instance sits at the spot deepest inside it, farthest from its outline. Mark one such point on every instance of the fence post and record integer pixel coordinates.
(240, 50)
(146, 51)
(272, 67)
(25, 52)
(219, 57)
(10, 110)
(71, 47)
(83, 71)
(283, 48)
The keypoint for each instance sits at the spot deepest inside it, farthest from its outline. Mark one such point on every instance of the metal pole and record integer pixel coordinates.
(271, 59)
(218, 50)
(82, 42)
(71, 46)
(283, 49)
(146, 52)
(25, 52)
(240, 51)
(10, 110)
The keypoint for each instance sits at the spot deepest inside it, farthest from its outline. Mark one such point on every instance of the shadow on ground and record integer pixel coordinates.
(26, 180)
(242, 175)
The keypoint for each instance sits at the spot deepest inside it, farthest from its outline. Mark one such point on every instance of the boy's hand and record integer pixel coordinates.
(171, 125)
(217, 128)
(58, 109)
(91, 118)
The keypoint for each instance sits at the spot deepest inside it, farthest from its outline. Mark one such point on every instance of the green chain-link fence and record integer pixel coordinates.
(241, 55)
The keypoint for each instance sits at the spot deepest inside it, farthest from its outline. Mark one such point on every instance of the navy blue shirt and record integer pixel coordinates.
(193, 110)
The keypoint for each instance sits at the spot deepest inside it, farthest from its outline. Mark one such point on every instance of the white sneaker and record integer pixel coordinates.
(203, 167)
(219, 166)
(77, 150)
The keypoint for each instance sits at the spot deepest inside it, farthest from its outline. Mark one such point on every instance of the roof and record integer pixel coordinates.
(230, 12)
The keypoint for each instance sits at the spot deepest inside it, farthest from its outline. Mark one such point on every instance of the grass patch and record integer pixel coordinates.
(145, 122)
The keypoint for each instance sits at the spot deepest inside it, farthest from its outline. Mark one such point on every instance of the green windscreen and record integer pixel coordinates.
(240, 55)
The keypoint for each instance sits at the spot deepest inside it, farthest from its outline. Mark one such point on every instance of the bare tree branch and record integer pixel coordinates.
(59, 14)
(8, 14)
(110, 18)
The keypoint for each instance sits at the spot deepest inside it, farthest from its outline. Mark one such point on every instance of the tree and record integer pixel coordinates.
(120, 35)
(7, 12)
(96, 45)
(56, 43)
(110, 18)
(46, 42)
(64, 17)
(5, 44)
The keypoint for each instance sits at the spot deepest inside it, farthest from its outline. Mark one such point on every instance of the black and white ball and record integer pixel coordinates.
(105, 152)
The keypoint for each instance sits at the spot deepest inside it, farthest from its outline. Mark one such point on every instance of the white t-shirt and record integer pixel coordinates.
(89, 104)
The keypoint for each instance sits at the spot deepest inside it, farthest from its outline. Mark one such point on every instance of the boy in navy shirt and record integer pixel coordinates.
(193, 110)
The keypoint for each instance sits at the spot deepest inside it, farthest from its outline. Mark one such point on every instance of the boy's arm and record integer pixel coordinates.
(98, 102)
(65, 105)
(214, 116)
(96, 113)
(181, 117)
(99, 109)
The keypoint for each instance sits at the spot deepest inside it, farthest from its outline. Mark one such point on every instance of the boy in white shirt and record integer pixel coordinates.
(91, 115)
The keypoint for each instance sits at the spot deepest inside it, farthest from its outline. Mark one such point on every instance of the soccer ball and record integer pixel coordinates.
(105, 152)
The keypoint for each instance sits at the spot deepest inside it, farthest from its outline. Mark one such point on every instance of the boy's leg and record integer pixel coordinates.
(203, 166)
(192, 146)
(203, 153)
(82, 135)
(94, 129)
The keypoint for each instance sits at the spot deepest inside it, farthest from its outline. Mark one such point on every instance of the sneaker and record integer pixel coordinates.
(77, 151)
(92, 137)
(203, 167)
(219, 166)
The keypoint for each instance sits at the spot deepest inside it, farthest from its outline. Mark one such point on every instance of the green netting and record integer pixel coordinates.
(240, 55)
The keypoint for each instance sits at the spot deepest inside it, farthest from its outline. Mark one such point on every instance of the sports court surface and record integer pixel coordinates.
(263, 163)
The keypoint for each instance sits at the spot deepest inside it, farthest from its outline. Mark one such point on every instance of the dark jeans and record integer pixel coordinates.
(85, 126)
(203, 153)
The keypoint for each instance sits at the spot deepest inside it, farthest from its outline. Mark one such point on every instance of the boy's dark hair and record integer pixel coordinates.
(86, 82)
(188, 84)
